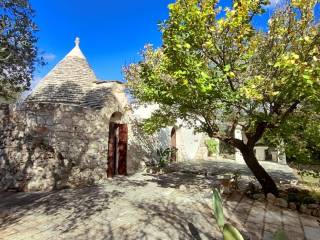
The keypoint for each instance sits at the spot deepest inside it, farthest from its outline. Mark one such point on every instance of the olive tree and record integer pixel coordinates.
(18, 51)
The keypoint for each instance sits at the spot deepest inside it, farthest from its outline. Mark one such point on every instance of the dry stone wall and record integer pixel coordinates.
(52, 146)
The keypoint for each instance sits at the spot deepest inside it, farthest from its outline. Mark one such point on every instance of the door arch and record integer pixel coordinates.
(117, 146)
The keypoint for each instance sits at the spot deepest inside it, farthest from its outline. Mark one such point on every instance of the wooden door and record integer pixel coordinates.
(173, 145)
(112, 153)
(122, 148)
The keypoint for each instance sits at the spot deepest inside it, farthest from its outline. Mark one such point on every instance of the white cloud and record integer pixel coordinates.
(48, 57)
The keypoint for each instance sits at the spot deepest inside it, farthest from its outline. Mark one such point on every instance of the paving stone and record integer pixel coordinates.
(292, 235)
(271, 227)
(235, 221)
(295, 229)
(290, 221)
(127, 209)
(243, 209)
(254, 229)
(309, 221)
(273, 217)
(290, 213)
(256, 216)
(312, 233)
(254, 235)
(235, 197)
(268, 235)
(258, 204)
(9, 231)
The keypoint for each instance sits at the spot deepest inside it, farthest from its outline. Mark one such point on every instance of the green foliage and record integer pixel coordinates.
(314, 174)
(215, 68)
(301, 134)
(231, 233)
(217, 208)
(212, 146)
(233, 72)
(18, 51)
(225, 148)
(304, 196)
(310, 177)
(280, 235)
(165, 156)
(236, 175)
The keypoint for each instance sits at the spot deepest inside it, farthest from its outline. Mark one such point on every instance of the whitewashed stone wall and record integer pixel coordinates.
(142, 145)
(190, 145)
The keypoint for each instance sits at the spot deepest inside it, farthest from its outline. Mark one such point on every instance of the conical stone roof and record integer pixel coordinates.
(71, 81)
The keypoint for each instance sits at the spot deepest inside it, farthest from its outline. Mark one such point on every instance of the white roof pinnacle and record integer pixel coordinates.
(77, 41)
(76, 51)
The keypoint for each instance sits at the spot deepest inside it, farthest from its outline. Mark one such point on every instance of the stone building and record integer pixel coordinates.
(74, 130)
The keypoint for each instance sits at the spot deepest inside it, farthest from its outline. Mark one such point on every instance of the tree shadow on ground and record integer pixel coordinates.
(176, 179)
(124, 181)
(169, 220)
(124, 208)
(280, 173)
(76, 205)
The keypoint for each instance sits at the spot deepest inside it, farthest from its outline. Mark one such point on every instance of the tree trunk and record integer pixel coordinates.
(267, 183)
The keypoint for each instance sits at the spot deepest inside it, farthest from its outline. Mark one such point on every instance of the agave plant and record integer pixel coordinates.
(228, 231)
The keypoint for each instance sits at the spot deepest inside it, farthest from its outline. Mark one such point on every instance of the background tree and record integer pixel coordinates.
(18, 51)
(216, 71)
(301, 135)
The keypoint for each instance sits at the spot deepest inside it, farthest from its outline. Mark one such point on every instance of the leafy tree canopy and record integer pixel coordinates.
(18, 52)
(214, 67)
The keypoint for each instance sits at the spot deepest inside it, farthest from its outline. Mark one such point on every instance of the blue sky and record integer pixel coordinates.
(112, 32)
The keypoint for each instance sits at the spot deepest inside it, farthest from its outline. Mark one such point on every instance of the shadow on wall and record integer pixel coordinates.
(46, 157)
(144, 146)
(31, 163)
(95, 97)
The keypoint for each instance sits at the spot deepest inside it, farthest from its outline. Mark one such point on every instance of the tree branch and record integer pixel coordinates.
(260, 129)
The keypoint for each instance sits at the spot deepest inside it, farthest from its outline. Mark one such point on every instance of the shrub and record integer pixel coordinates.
(165, 156)
(212, 146)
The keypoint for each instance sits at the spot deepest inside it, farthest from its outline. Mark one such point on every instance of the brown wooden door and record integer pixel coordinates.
(173, 145)
(122, 146)
(112, 150)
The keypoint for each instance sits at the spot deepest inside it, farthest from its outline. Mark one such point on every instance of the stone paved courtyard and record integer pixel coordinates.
(280, 173)
(143, 206)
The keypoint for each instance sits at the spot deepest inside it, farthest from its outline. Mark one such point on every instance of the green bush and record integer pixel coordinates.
(212, 146)
(165, 156)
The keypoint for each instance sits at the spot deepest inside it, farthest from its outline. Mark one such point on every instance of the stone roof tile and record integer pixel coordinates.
(72, 81)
